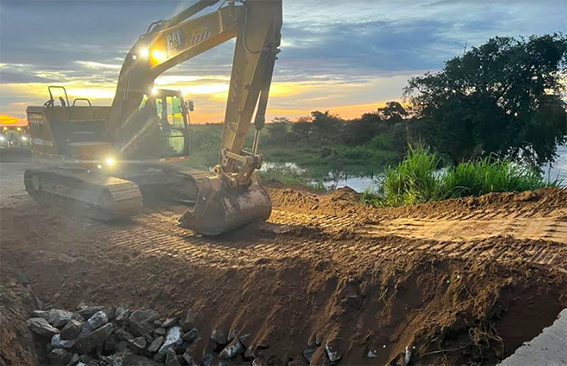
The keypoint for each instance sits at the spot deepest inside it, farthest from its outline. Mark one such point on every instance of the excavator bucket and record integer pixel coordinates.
(219, 210)
(223, 211)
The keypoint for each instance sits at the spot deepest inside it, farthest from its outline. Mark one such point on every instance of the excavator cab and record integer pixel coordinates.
(166, 114)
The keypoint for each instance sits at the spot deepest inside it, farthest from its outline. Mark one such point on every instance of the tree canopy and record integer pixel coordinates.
(503, 98)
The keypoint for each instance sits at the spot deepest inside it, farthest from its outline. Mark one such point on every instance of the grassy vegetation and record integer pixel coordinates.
(320, 159)
(417, 179)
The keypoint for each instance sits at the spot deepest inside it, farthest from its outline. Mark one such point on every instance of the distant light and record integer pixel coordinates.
(155, 91)
(144, 53)
(24, 138)
(109, 161)
(158, 55)
(134, 57)
(19, 129)
(99, 166)
(2, 138)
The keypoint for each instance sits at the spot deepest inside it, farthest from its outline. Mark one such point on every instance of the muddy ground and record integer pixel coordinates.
(457, 282)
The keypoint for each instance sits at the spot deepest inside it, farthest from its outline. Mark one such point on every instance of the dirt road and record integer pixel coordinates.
(466, 280)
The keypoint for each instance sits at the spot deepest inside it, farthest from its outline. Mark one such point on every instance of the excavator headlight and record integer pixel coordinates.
(144, 53)
(109, 161)
(158, 56)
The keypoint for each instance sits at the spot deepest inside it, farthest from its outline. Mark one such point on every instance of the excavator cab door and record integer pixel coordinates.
(173, 125)
(167, 111)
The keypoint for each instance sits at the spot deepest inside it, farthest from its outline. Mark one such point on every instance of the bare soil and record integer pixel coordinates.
(453, 282)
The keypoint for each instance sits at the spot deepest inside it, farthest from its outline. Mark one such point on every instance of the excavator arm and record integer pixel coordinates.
(231, 196)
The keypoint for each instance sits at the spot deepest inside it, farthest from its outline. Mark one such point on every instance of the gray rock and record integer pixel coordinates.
(219, 336)
(169, 322)
(308, 353)
(87, 311)
(95, 339)
(258, 362)
(124, 335)
(137, 345)
(122, 314)
(333, 352)
(85, 358)
(160, 331)
(173, 340)
(149, 338)
(156, 344)
(250, 353)
(41, 327)
(231, 334)
(141, 322)
(188, 322)
(189, 360)
(60, 357)
(57, 342)
(245, 339)
(58, 318)
(97, 320)
(127, 358)
(121, 346)
(110, 313)
(111, 343)
(191, 336)
(233, 349)
(39, 314)
(78, 317)
(208, 359)
(71, 330)
(171, 358)
(74, 360)
(372, 353)
(80, 363)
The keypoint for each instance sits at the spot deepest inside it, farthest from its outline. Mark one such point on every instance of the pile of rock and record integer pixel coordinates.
(99, 336)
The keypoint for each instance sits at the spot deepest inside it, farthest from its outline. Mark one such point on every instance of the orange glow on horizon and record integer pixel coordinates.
(12, 121)
(346, 112)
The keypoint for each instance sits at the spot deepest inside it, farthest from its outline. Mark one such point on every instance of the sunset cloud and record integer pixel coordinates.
(347, 57)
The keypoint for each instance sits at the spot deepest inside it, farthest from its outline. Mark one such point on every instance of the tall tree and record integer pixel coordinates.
(278, 129)
(504, 97)
(326, 125)
(392, 113)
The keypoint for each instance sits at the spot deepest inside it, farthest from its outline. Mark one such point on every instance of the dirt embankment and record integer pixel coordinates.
(346, 202)
(313, 275)
(16, 303)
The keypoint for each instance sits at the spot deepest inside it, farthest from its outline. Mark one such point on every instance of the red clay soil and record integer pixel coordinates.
(289, 282)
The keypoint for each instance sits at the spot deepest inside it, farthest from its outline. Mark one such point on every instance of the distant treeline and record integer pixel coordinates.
(503, 99)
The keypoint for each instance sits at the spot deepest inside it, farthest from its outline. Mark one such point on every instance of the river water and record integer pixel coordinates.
(557, 171)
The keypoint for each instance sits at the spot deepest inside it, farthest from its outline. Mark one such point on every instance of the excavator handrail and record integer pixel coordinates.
(57, 87)
(90, 108)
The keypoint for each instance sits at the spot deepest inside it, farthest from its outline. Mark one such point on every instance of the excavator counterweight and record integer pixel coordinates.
(114, 158)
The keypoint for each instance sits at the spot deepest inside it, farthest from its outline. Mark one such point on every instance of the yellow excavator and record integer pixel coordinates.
(110, 160)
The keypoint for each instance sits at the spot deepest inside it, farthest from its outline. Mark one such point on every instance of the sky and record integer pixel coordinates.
(346, 56)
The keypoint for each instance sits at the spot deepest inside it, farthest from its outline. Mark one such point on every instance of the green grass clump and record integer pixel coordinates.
(491, 175)
(417, 179)
(414, 180)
